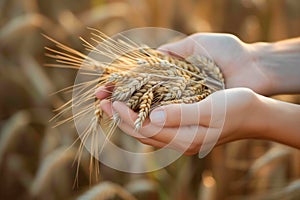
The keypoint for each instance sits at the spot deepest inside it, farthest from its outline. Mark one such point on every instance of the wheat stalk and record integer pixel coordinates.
(144, 108)
(50, 163)
(106, 190)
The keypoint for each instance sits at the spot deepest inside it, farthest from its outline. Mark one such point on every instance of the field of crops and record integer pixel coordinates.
(36, 160)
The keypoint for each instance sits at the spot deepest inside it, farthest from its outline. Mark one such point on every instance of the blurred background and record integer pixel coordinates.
(35, 159)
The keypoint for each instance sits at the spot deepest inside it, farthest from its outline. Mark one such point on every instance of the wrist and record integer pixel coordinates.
(276, 121)
(282, 122)
(260, 55)
(279, 63)
(255, 126)
(263, 114)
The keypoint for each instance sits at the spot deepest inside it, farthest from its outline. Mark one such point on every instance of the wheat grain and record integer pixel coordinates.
(135, 99)
(191, 99)
(123, 93)
(194, 88)
(144, 108)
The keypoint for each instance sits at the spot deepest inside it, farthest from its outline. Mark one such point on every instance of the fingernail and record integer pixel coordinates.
(117, 104)
(98, 89)
(100, 92)
(158, 117)
(103, 102)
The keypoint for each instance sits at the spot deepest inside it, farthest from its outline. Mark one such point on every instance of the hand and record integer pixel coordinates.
(184, 126)
(238, 61)
(248, 114)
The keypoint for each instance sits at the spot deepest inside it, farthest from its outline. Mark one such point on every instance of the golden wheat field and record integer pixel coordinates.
(37, 160)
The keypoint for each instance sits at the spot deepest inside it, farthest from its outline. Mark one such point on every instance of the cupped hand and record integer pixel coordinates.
(230, 114)
(222, 117)
(238, 61)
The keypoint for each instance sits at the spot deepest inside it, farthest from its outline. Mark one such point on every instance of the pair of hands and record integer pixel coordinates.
(224, 116)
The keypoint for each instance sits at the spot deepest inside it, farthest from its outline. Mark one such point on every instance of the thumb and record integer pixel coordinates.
(175, 115)
(184, 48)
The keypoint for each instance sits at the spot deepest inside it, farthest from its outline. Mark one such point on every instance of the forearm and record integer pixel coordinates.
(281, 63)
(281, 121)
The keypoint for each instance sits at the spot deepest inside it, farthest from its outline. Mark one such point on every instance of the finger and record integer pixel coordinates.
(182, 114)
(106, 106)
(128, 117)
(162, 140)
(182, 48)
(129, 130)
(185, 138)
(126, 114)
(104, 91)
(152, 142)
(176, 138)
(179, 138)
(150, 130)
(193, 45)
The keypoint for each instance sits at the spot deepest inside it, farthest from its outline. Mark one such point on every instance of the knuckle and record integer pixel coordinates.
(198, 36)
(173, 110)
(143, 141)
(190, 153)
(194, 149)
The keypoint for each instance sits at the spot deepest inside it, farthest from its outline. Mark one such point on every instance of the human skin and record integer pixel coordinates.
(251, 71)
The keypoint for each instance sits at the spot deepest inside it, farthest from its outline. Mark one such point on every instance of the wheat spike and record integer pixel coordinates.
(191, 99)
(144, 108)
(123, 93)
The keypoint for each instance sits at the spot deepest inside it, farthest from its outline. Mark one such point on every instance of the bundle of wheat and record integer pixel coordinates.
(142, 77)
